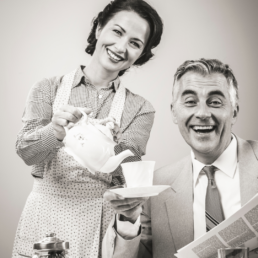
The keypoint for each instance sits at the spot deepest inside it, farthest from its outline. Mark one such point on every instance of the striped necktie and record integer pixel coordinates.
(213, 209)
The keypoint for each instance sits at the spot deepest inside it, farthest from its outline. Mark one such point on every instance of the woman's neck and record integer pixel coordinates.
(97, 75)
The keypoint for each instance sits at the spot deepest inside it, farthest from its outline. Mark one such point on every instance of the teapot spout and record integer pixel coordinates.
(114, 161)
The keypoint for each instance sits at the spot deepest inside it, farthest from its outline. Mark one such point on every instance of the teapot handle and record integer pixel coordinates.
(84, 115)
(84, 118)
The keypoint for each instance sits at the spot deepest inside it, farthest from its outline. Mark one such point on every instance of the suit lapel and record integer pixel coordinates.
(248, 171)
(179, 206)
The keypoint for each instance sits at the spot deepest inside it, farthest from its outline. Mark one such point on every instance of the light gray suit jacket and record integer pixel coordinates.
(167, 219)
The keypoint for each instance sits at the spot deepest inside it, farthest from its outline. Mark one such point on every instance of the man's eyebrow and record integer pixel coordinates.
(125, 32)
(188, 92)
(216, 92)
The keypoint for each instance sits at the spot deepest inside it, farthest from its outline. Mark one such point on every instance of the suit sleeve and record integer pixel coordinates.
(115, 246)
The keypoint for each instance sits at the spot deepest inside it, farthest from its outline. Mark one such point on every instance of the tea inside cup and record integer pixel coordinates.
(138, 174)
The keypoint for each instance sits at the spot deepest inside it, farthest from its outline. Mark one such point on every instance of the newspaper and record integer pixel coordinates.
(241, 229)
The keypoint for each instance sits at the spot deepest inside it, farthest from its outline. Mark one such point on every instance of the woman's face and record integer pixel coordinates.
(121, 41)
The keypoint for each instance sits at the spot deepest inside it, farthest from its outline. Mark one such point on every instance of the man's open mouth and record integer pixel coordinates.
(114, 56)
(203, 128)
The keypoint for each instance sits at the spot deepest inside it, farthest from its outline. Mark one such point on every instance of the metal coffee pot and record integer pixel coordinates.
(50, 247)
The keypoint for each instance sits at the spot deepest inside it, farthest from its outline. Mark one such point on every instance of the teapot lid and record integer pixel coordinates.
(51, 243)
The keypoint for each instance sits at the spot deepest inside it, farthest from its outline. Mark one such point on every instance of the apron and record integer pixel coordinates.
(68, 200)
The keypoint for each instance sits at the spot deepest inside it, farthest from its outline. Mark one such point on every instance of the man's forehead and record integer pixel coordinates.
(195, 79)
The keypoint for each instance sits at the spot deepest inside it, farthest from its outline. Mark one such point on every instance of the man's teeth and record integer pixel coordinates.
(114, 56)
(202, 127)
(205, 129)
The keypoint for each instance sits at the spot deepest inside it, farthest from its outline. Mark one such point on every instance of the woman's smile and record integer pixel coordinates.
(114, 57)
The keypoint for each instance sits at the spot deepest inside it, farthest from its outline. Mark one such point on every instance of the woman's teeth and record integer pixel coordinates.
(114, 56)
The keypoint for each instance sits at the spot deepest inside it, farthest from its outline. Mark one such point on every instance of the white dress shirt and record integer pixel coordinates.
(228, 184)
(227, 181)
(126, 229)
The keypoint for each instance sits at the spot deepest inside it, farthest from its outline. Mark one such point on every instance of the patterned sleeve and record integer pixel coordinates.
(135, 138)
(137, 134)
(36, 142)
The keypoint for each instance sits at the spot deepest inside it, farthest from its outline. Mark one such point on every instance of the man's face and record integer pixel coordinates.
(204, 114)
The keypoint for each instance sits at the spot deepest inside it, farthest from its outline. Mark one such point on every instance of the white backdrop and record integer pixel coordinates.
(44, 38)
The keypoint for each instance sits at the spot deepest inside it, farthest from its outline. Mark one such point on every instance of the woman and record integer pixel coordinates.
(67, 199)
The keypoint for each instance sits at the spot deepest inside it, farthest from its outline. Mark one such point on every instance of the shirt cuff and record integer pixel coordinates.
(49, 141)
(126, 229)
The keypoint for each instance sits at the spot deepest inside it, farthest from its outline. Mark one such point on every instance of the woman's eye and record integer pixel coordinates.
(135, 44)
(118, 32)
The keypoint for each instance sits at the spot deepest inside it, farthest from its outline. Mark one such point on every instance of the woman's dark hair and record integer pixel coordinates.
(140, 7)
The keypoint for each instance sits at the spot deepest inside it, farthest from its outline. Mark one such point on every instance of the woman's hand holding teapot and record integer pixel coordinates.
(67, 115)
(110, 122)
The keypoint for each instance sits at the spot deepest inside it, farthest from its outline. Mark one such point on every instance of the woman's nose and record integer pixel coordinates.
(121, 46)
(203, 112)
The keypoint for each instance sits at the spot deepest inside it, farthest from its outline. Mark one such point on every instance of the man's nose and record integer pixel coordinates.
(203, 111)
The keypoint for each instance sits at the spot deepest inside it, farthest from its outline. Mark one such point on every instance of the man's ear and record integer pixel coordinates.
(235, 114)
(173, 113)
(97, 32)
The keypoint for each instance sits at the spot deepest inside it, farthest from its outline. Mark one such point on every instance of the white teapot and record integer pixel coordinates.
(91, 144)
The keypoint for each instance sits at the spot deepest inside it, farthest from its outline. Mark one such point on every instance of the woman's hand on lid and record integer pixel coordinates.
(116, 131)
(67, 115)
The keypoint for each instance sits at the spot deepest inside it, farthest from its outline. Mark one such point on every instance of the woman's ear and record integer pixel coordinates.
(173, 112)
(97, 33)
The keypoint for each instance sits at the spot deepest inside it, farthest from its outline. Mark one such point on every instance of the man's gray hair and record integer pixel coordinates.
(205, 67)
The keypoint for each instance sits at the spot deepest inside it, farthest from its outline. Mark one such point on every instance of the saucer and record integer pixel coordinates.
(143, 191)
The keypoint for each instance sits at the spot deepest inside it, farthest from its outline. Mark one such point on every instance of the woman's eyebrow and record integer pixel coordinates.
(120, 28)
(125, 32)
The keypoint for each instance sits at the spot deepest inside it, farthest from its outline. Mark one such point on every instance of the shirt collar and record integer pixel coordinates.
(81, 77)
(226, 162)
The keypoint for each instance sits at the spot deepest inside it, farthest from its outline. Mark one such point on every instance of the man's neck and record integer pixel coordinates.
(206, 159)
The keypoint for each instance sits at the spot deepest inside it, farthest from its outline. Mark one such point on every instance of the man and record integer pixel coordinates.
(207, 186)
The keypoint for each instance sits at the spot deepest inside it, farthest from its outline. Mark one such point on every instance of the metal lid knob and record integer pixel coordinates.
(51, 243)
(51, 235)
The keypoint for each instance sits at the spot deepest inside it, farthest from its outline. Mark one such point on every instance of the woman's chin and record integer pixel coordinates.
(111, 66)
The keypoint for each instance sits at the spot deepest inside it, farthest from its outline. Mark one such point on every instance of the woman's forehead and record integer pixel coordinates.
(131, 23)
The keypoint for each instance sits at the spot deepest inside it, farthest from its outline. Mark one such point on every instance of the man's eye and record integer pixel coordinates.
(215, 103)
(190, 103)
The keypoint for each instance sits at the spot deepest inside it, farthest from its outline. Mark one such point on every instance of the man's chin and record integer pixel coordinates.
(203, 136)
(204, 148)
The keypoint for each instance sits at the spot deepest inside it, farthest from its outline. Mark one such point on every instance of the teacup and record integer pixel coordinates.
(138, 174)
